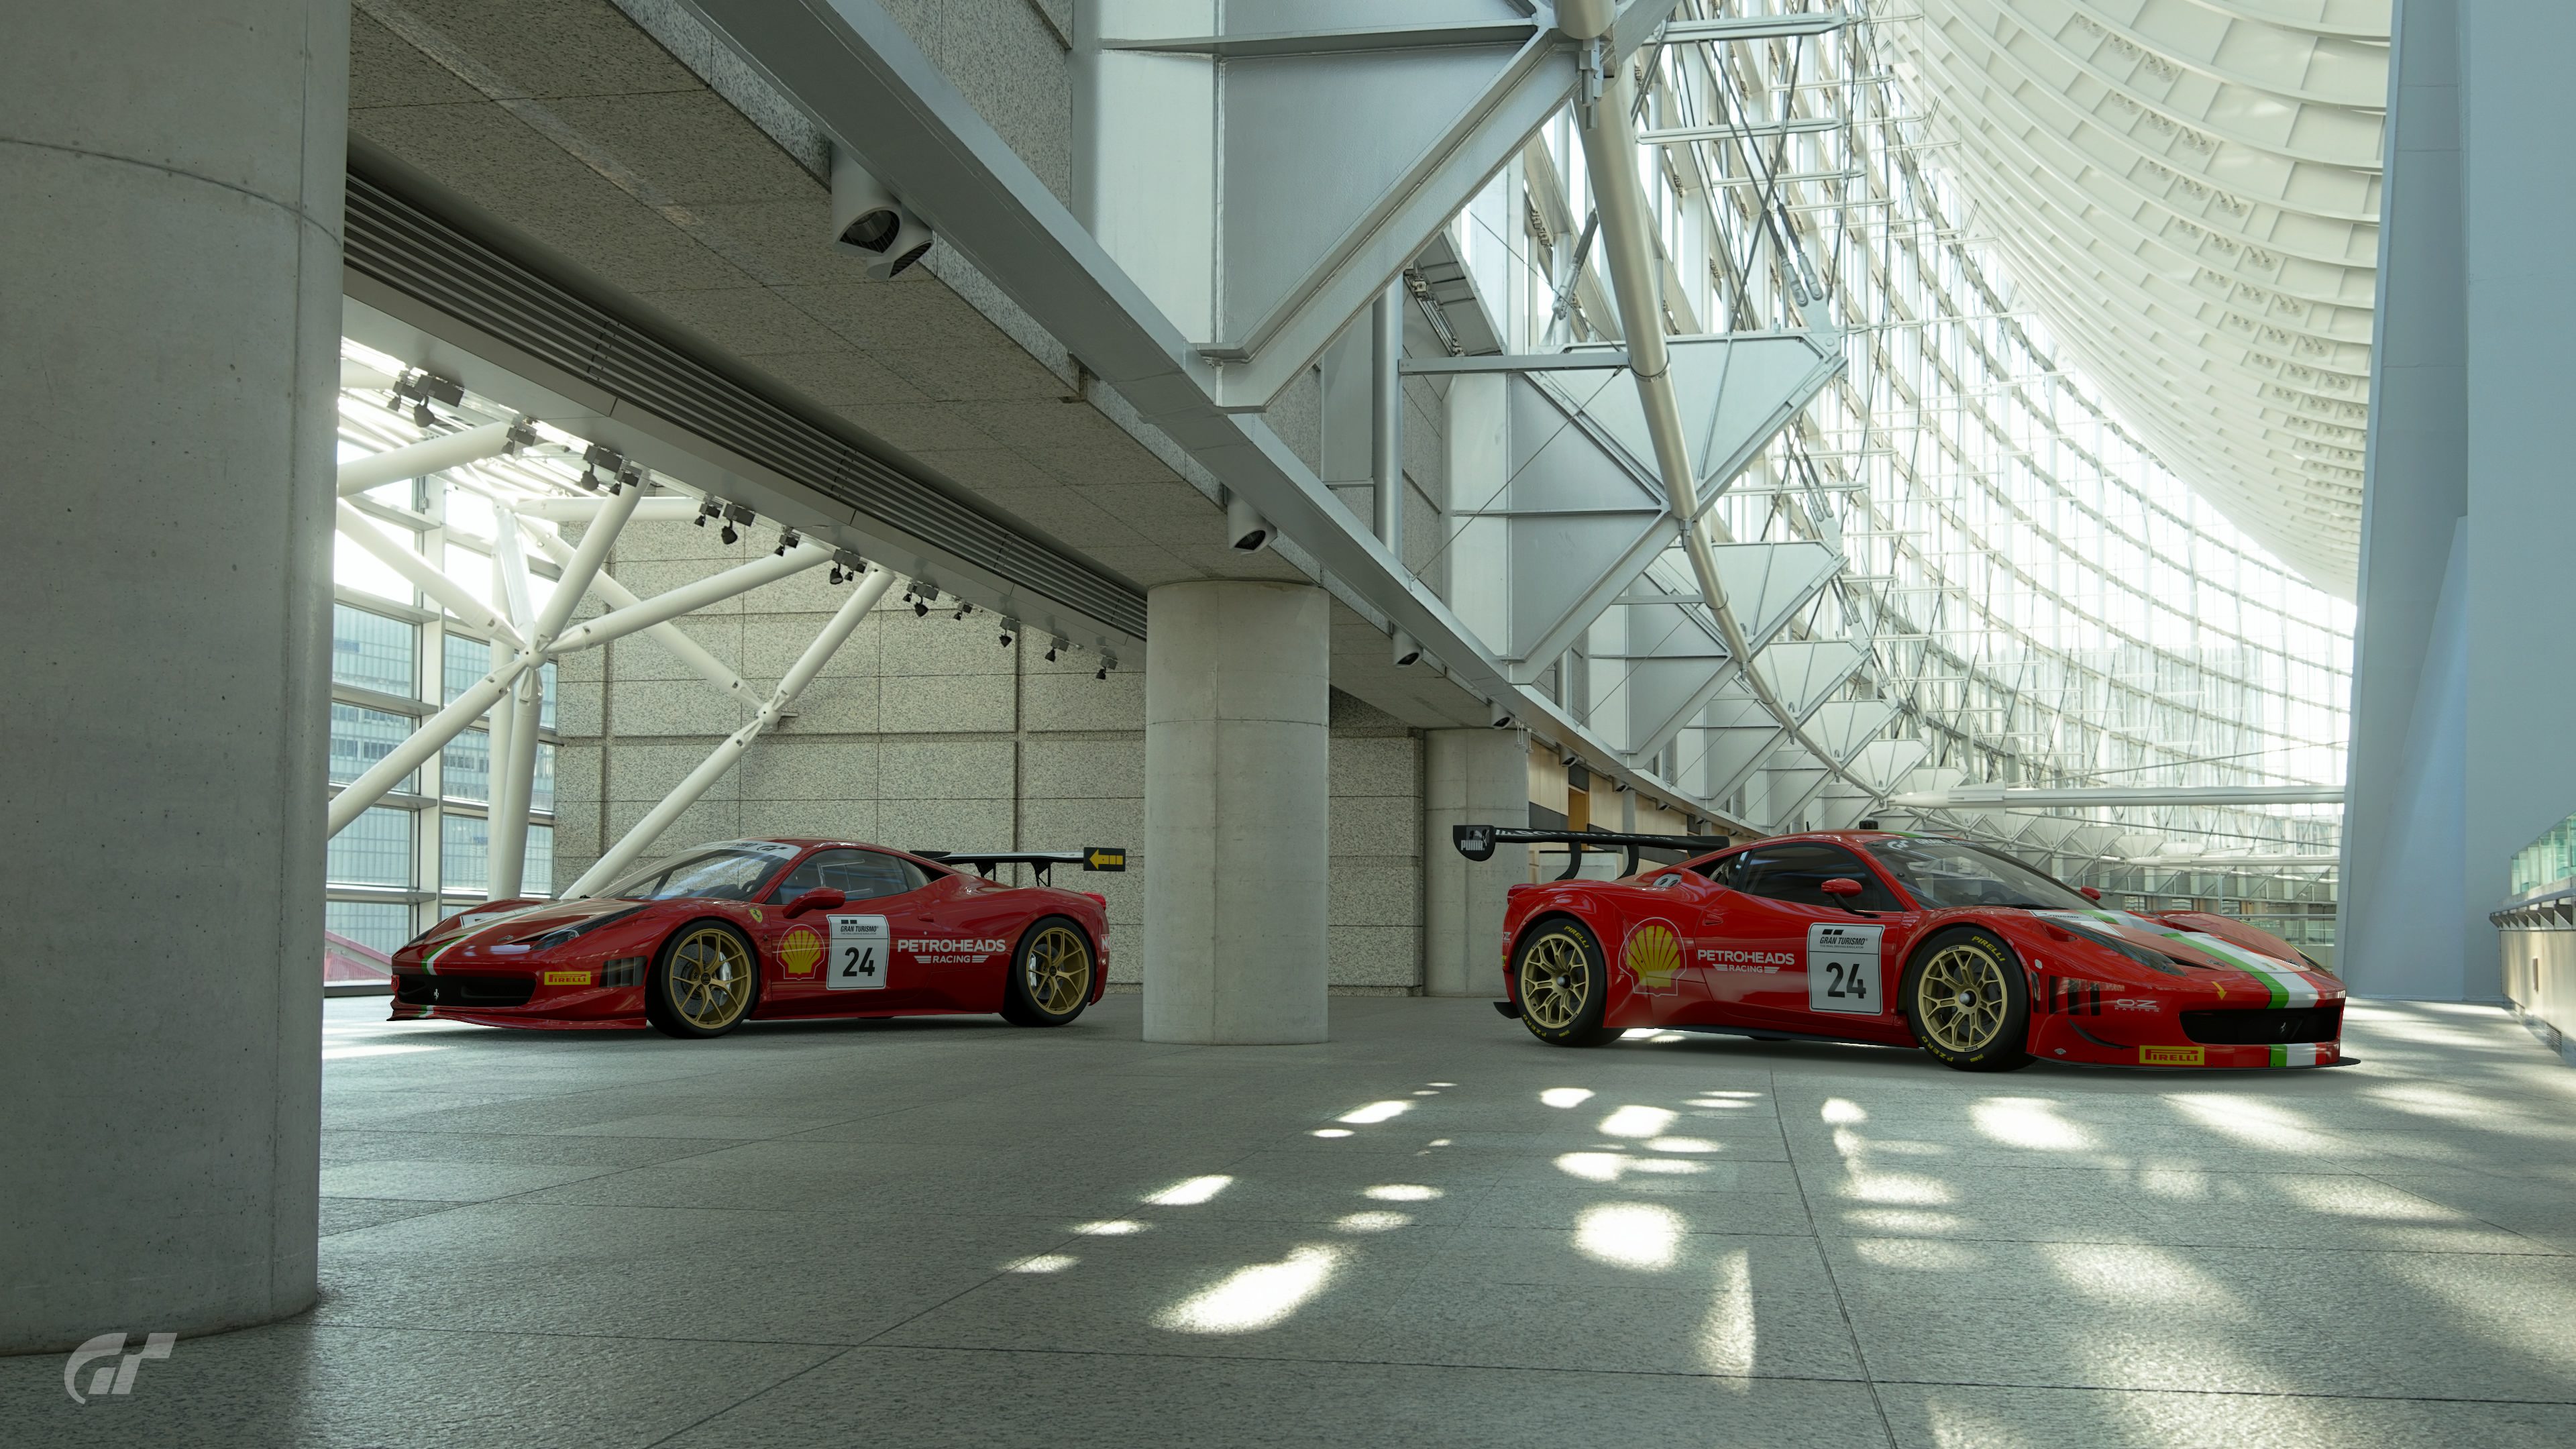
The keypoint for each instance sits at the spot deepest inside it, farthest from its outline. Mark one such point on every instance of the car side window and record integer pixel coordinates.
(1796, 872)
(857, 874)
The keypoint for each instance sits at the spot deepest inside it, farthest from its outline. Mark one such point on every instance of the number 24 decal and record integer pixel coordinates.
(1850, 981)
(859, 961)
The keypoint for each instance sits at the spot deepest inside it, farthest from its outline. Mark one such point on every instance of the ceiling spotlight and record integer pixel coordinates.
(1101, 673)
(630, 476)
(422, 416)
(963, 609)
(1407, 652)
(523, 434)
(1245, 528)
(709, 509)
(730, 535)
(848, 565)
(593, 459)
(1502, 718)
(736, 513)
(787, 538)
(920, 609)
(1108, 661)
(1058, 642)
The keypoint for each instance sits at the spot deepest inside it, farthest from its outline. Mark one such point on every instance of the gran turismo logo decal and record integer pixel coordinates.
(115, 1378)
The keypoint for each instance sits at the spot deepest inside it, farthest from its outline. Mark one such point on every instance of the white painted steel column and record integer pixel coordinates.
(170, 223)
(672, 603)
(429, 739)
(669, 636)
(635, 842)
(1386, 415)
(514, 776)
(1236, 810)
(1471, 777)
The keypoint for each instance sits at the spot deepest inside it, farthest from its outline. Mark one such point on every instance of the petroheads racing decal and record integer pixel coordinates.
(952, 950)
(800, 950)
(1654, 952)
(1734, 960)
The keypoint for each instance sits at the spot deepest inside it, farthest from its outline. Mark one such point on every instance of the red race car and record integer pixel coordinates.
(1903, 940)
(700, 942)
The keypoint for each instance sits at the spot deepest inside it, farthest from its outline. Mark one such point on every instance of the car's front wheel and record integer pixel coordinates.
(1562, 982)
(704, 982)
(1051, 975)
(1965, 997)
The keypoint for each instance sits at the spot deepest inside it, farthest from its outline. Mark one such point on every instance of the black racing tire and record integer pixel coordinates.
(705, 981)
(1561, 982)
(1052, 974)
(1967, 1000)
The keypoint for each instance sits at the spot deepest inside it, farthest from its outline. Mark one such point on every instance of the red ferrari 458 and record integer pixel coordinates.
(1903, 940)
(702, 941)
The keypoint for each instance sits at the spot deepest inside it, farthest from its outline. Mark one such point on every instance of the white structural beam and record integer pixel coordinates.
(429, 739)
(1628, 247)
(429, 455)
(672, 603)
(661, 508)
(2000, 797)
(669, 635)
(635, 842)
(476, 613)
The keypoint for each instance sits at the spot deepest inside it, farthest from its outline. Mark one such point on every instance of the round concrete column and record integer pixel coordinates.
(1474, 777)
(1236, 807)
(170, 193)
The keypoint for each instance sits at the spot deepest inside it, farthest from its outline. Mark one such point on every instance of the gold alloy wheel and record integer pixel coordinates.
(1961, 998)
(710, 978)
(1556, 974)
(1056, 971)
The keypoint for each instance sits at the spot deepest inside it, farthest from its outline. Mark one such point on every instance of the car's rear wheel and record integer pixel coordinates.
(705, 981)
(1051, 975)
(1966, 999)
(1562, 982)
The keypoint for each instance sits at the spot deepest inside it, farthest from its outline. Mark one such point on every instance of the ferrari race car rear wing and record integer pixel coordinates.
(1477, 842)
(1039, 862)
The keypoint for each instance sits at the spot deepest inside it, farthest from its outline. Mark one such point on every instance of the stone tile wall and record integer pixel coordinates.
(926, 733)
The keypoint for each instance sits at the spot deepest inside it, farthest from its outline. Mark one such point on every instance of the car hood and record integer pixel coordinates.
(2196, 948)
(511, 923)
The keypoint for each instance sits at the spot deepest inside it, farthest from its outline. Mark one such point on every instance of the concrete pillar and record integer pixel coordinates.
(1236, 807)
(170, 204)
(1473, 777)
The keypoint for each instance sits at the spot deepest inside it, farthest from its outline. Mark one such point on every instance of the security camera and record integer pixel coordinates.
(1407, 652)
(869, 222)
(1245, 528)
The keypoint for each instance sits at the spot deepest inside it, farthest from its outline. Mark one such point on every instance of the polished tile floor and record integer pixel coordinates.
(1433, 1231)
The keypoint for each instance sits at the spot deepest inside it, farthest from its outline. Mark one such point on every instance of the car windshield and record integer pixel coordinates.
(1944, 874)
(723, 873)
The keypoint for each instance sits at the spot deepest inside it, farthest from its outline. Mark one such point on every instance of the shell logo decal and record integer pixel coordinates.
(1654, 953)
(801, 949)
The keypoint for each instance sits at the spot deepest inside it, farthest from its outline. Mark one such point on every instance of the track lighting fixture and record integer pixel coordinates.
(1502, 718)
(921, 608)
(848, 565)
(1406, 652)
(594, 459)
(1009, 628)
(735, 513)
(1108, 661)
(709, 509)
(730, 535)
(963, 609)
(1058, 642)
(787, 538)
(630, 476)
(523, 434)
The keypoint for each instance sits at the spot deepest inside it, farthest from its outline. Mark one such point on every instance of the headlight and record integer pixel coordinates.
(2151, 959)
(566, 935)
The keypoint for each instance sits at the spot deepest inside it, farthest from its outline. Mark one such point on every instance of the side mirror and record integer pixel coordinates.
(2088, 893)
(818, 899)
(1842, 886)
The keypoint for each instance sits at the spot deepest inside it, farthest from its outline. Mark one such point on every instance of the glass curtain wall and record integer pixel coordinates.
(396, 658)
(2043, 600)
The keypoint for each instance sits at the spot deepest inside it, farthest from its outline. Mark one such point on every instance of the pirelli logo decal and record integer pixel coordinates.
(567, 978)
(2170, 1056)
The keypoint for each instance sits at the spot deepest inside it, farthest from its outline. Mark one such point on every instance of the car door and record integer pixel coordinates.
(1781, 952)
(849, 960)
(968, 927)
